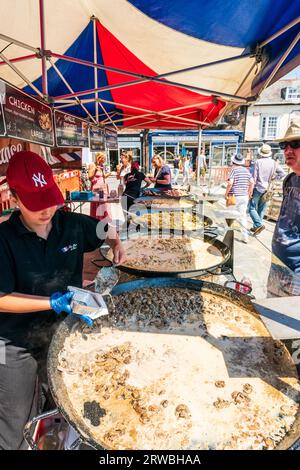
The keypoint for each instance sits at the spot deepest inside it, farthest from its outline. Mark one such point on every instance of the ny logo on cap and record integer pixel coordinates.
(39, 179)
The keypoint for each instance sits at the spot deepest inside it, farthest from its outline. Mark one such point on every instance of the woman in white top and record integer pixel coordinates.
(125, 167)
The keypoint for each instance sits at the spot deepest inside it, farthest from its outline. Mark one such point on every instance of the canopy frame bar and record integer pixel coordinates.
(149, 78)
(280, 32)
(166, 111)
(94, 20)
(104, 110)
(279, 63)
(147, 112)
(21, 75)
(71, 89)
(157, 113)
(19, 59)
(43, 44)
(19, 43)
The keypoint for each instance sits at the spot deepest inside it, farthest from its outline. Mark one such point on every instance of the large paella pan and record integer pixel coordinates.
(179, 364)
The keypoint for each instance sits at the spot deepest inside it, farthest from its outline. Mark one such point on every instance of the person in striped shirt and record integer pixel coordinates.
(240, 183)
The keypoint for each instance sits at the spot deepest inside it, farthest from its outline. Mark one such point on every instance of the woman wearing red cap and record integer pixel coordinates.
(42, 252)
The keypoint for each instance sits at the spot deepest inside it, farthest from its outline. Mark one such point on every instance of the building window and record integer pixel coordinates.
(269, 127)
(292, 93)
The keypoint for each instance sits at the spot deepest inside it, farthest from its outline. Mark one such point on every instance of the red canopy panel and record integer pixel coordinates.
(140, 103)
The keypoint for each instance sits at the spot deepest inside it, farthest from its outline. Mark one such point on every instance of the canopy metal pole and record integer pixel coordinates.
(108, 116)
(94, 19)
(171, 110)
(21, 75)
(158, 113)
(210, 167)
(70, 88)
(280, 32)
(176, 72)
(199, 153)
(19, 43)
(151, 79)
(202, 66)
(280, 62)
(43, 48)
(19, 59)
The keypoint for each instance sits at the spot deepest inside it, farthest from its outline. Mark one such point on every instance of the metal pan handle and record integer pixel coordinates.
(211, 231)
(220, 271)
(30, 427)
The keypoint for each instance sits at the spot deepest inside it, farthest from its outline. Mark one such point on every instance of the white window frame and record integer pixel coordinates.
(264, 130)
(292, 94)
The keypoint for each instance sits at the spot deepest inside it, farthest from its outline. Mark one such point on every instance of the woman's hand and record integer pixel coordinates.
(113, 240)
(152, 179)
(119, 253)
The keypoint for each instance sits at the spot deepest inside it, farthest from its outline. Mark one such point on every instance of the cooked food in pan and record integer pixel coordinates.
(171, 220)
(162, 203)
(169, 193)
(170, 254)
(180, 369)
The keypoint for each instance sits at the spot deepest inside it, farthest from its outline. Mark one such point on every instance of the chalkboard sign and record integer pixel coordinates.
(97, 138)
(25, 117)
(70, 131)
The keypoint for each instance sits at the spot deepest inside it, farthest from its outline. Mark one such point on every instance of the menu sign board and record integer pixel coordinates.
(111, 138)
(2, 122)
(97, 138)
(26, 118)
(70, 131)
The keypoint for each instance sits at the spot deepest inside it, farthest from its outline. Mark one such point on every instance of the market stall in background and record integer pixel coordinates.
(58, 137)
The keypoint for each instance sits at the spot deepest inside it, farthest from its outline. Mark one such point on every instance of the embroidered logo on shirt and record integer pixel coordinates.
(67, 248)
(39, 179)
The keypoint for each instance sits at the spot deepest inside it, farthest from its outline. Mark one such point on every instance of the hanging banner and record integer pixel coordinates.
(8, 147)
(70, 131)
(26, 117)
(111, 138)
(97, 138)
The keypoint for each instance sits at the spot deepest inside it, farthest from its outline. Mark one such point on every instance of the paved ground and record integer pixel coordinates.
(252, 260)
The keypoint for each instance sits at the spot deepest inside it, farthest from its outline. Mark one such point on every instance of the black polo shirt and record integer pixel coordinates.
(32, 265)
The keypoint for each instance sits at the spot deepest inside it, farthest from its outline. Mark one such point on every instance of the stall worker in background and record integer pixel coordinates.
(41, 252)
(240, 185)
(284, 277)
(133, 182)
(264, 172)
(177, 166)
(162, 174)
(98, 177)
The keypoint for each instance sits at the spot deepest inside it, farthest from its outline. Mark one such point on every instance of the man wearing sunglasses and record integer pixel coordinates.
(284, 278)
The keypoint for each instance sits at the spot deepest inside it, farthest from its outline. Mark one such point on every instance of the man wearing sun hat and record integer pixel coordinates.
(284, 278)
(264, 171)
(41, 252)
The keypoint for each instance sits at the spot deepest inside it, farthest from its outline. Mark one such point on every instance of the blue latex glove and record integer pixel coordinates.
(86, 319)
(61, 303)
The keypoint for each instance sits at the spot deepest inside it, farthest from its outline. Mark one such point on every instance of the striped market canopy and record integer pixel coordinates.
(145, 63)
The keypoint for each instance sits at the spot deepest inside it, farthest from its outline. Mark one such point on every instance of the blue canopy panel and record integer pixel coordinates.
(241, 24)
(79, 77)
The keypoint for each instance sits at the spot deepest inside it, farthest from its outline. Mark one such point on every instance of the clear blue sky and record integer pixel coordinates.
(294, 73)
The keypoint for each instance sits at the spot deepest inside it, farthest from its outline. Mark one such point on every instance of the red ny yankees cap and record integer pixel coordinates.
(32, 179)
